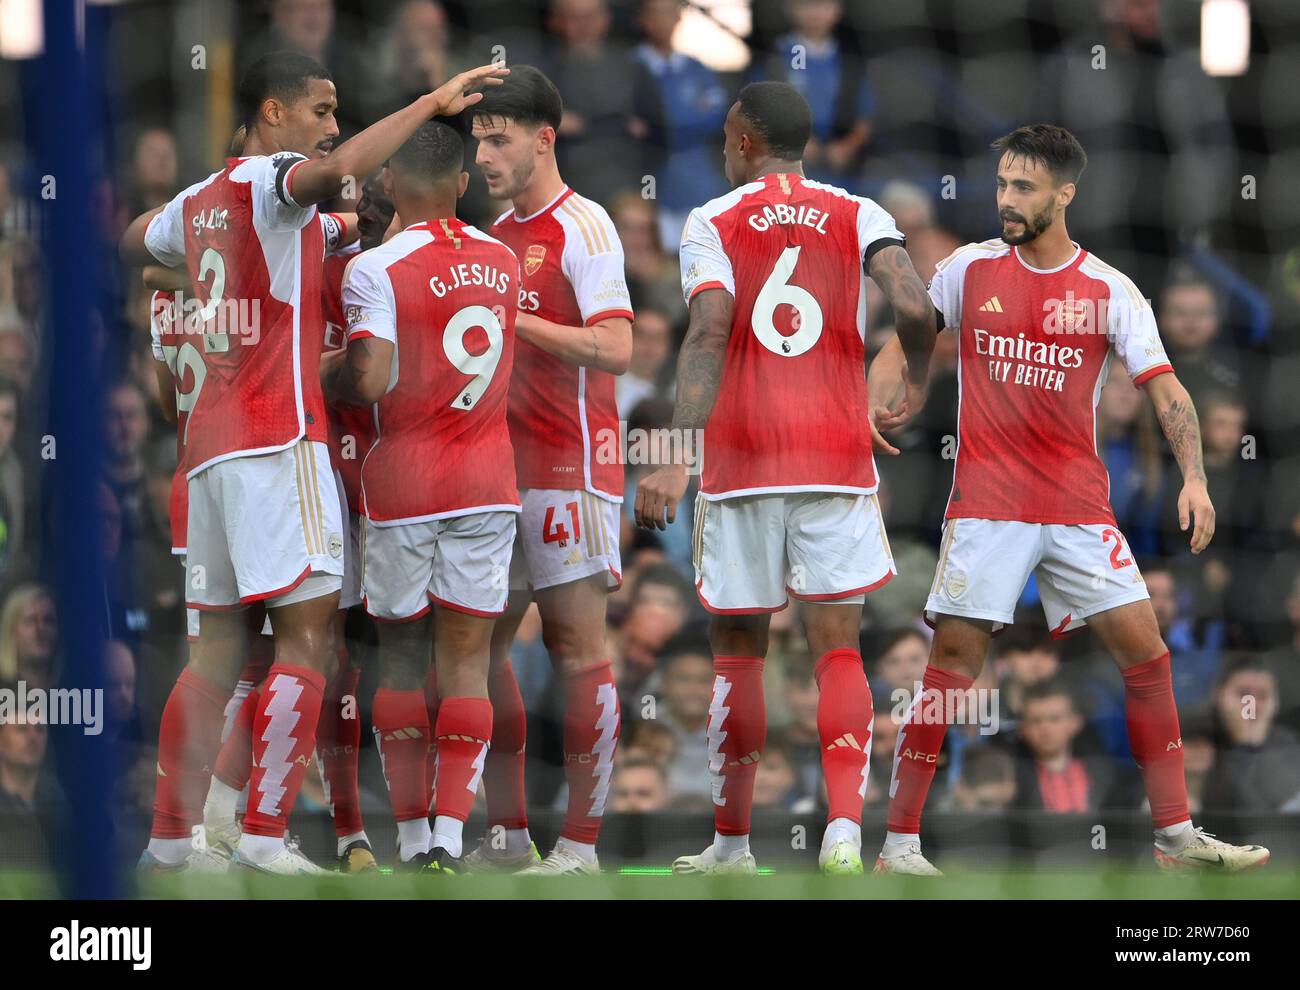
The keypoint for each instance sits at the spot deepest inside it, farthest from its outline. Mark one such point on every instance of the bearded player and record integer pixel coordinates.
(773, 372)
(1039, 321)
(431, 342)
(262, 526)
(574, 335)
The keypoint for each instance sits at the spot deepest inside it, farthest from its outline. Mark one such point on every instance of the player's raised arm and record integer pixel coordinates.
(1182, 429)
(891, 269)
(320, 179)
(699, 376)
(131, 246)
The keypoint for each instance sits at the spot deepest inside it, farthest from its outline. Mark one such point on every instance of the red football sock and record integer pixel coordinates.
(844, 720)
(503, 776)
(463, 734)
(284, 736)
(401, 724)
(188, 738)
(736, 731)
(431, 704)
(591, 730)
(916, 753)
(235, 761)
(1155, 738)
(338, 743)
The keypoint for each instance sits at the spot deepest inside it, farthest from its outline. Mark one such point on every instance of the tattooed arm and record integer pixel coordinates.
(699, 376)
(361, 378)
(891, 269)
(1183, 431)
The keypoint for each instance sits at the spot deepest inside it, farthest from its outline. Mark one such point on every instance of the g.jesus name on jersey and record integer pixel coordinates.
(1034, 349)
(791, 413)
(254, 258)
(560, 414)
(445, 295)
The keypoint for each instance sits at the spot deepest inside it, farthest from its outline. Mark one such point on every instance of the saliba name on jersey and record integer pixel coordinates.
(1032, 363)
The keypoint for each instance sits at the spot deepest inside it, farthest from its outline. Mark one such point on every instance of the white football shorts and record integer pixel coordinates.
(461, 563)
(1081, 570)
(264, 528)
(564, 536)
(752, 551)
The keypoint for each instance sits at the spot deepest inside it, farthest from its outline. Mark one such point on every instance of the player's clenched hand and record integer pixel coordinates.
(450, 98)
(1194, 506)
(658, 493)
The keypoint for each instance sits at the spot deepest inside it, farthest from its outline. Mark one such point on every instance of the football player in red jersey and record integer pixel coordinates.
(1039, 321)
(339, 731)
(262, 528)
(185, 767)
(574, 336)
(431, 319)
(772, 372)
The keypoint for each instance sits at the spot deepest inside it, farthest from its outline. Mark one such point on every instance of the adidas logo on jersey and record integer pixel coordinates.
(992, 306)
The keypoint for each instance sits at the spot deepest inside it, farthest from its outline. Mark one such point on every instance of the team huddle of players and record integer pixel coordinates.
(406, 423)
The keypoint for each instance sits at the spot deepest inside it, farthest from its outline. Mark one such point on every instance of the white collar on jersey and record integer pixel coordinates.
(1049, 271)
(559, 196)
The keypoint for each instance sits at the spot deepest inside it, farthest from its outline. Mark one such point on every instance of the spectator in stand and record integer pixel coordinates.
(683, 104)
(1190, 325)
(17, 357)
(29, 637)
(126, 428)
(640, 786)
(903, 658)
(598, 138)
(154, 172)
(802, 742)
(1050, 776)
(653, 279)
(29, 798)
(1258, 766)
(1195, 647)
(13, 487)
(774, 780)
(813, 59)
(686, 684)
(1198, 758)
(652, 346)
(986, 784)
(1284, 661)
(913, 211)
(1024, 655)
(649, 739)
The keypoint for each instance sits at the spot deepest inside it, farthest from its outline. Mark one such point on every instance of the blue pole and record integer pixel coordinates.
(67, 150)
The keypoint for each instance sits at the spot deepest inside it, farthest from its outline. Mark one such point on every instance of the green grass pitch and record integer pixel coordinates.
(1276, 881)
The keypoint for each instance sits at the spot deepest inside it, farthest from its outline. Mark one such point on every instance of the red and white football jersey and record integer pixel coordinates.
(791, 414)
(351, 428)
(172, 348)
(446, 295)
(1034, 349)
(254, 258)
(561, 415)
